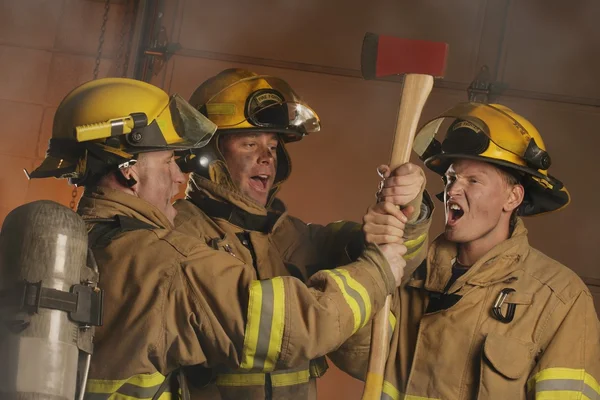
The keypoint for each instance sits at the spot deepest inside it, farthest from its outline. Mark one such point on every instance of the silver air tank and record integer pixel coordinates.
(43, 251)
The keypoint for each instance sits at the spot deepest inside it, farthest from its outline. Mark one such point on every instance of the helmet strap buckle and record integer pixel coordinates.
(129, 182)
(127, 164)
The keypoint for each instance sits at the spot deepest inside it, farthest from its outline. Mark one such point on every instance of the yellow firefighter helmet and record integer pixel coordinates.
(103, 124)
(237, 101)
(495, 134)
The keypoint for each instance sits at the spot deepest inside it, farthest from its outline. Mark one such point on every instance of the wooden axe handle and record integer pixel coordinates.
(415, 91)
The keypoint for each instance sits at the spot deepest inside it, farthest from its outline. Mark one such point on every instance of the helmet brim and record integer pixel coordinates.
(53, 167)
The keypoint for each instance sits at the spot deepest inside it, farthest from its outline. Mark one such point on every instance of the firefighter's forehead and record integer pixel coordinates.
(465, 166)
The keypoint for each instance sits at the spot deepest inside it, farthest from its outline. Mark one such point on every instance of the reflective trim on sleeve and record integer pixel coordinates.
(413, 246)
(355, 294)
(142, 386)
(264, 329)
(564, 383)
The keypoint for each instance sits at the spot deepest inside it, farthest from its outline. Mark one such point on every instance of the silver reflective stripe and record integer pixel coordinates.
(354, 294)
(264, 327)
(566, 384)
(591, 393)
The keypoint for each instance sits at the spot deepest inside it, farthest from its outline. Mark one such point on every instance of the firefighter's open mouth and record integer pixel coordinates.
(455, 212)
(260, 182)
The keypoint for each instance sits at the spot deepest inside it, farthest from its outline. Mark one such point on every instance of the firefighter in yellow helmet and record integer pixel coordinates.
(231, 204)
(172, 299)
(486, 316)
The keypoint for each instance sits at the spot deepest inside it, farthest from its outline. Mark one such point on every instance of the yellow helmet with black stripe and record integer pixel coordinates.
(241, 101)
(105, 123)
(496, 134)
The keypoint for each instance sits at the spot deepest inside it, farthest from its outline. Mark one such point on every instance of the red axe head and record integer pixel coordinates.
(387, 55)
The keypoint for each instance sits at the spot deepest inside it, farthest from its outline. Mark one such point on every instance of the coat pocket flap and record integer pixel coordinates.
(519, 298)
(509, 356)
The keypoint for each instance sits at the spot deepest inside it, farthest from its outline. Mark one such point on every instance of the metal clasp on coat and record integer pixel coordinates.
(497, 308)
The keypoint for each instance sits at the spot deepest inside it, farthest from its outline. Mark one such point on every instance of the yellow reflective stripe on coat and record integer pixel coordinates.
(355, 294)
(391, 393)
(278, 379)
(264, 329)
(413, 246)
(392, 319)
(290, 378)
(118, 396)
(564, 383)
(142, 386)
(240, 379)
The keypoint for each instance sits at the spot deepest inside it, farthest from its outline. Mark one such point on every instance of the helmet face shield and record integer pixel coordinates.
(507, 133)
(182, 126)
(262, 103)
(481, 130)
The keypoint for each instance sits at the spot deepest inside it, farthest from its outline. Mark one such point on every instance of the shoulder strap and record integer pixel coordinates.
(237, 216)
(105, 229)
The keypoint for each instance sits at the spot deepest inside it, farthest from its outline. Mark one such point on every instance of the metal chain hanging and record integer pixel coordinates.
(73, 198)
(101, 38)
(73, 202)
(125, 39)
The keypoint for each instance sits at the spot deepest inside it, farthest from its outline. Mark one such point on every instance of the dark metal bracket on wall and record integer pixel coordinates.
(482, 89)
(151, 42)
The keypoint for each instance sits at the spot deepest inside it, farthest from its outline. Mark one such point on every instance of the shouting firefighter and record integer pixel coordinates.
(485, 315)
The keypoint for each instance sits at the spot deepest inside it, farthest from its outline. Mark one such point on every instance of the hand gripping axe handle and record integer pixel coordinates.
(419, 61)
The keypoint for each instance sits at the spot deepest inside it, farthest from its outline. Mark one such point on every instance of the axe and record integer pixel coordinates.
(419, 61)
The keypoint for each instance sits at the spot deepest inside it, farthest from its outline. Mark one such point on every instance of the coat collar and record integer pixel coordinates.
(102, 202)
(498, 264)
(239, 207)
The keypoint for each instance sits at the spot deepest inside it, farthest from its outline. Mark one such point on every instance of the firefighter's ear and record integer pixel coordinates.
(128, 176)
(516, 193)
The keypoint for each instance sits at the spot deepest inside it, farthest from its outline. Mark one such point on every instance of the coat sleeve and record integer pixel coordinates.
(569, 366)
(314, 247)
(218, 313)
(318, 247)
(353, 356)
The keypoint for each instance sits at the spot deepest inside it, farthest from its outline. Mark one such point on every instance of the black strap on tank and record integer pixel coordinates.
(237, 216)
(83, 303)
